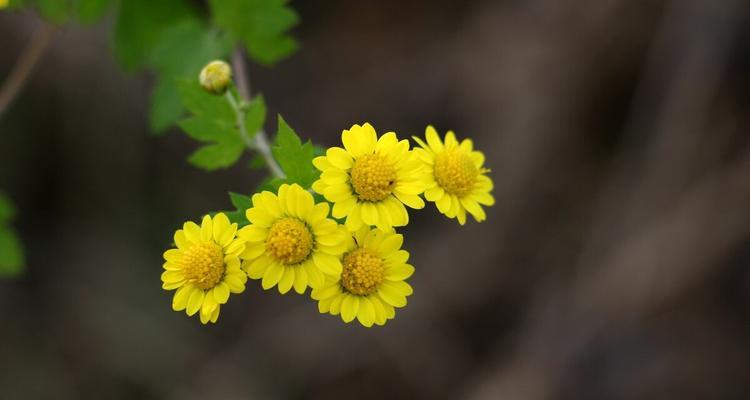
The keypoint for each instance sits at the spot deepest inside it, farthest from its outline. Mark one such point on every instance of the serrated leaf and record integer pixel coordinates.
(140, 24)
(237, 217)
(11, 253)
(218, 155)
(180, 53)
(294, 157)
(7, 210)
(255, 116)
(208, 130)
(240, 201)
(201, 103)
(262, 25)
(89, 11)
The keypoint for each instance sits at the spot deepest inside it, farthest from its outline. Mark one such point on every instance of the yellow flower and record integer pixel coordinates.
(290, 241)
(3, 4)
(372, 282)
(205, 267)
(370, 179)
(456, 179)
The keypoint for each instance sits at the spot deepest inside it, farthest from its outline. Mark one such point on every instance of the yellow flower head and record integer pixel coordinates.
(372, 282)
(290, 240)
(456, 180)
(205, 267)
(370, 179)
(215, 77)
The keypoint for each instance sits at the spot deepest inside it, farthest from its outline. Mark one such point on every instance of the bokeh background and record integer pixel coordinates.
(613, 266)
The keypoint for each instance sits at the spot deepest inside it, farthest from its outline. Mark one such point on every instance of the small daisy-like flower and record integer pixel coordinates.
(370, 179)
(456, 180)
(372, 283)
(205, 267)
(291, 242)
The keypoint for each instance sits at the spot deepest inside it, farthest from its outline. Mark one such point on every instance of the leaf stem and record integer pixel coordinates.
(25, 64)
(260, 142)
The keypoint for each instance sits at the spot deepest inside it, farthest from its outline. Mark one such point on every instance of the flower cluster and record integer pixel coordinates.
(346, 248)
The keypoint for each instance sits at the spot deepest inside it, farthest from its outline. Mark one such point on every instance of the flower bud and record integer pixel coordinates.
(215, 77)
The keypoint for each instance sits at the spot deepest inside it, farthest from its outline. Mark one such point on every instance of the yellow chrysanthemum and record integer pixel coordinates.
(372, 282)
(370, 179)
(291, 242)
(456, 179)
(205, 267)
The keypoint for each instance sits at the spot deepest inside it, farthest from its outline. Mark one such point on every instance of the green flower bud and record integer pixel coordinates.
(215, 77)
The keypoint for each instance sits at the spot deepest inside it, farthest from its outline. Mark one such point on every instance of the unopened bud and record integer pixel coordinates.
(215, 77)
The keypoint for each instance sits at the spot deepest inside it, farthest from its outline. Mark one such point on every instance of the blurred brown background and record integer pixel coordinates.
(614, 265)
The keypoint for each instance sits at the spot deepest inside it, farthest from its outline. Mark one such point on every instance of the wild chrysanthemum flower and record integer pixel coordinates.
(290, 240)
(370, 179)
(372, 282)
(205, 267)
(456, 180)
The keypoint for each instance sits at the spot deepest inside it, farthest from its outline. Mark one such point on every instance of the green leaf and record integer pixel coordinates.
(202, 103)
(140, 24)
(208, 130)
(218, 155)
(240, 201)
(7, 210)
(55, 11)
(89, 11)
(180, 53)
(255, 116)
(11, 253)
(270, 184)
(262, 25)
(294, 157)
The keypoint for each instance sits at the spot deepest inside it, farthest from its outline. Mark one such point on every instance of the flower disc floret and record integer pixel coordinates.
(455, 172)
(289, 241)
(203, 265)
(373, 177)
(363, 272)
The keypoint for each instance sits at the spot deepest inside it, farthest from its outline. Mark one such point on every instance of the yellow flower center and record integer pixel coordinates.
(362, 273)
(455, 172)
(289, 241)
(373, 177)
(203, 264)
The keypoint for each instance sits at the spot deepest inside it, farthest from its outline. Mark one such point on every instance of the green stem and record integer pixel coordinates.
(260, 141)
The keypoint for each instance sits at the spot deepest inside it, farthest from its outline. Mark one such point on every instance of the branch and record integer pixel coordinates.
(24, 66)
(261, 143)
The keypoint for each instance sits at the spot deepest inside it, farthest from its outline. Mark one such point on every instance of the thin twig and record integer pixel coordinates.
(24, 66)
(261, 143)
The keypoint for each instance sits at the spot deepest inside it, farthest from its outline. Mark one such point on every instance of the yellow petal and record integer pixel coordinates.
(192, 232)
(315, 278)
(195, 301)
(390, 244)
(272, 275)
(369, 213)
(391, 296)
(258, 267)
(349, 308)
(221, 292)
(220, 224)
(253, 233)
(328, 264)
(207, 228)
(433, 140)
(181, 296)
(300, 280)
(180, 240)
(366, 313)
(321, 163)
(410, 200)
(287, 280)
(339, 158)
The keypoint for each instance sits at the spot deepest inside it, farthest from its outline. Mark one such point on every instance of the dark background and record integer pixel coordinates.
(613, 266)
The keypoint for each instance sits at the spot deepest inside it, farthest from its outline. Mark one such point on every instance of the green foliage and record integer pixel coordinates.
(63, 11)
(214, 122)
(262, 25)
(11, 253)
(140, 25)
(294, 157)
(180, 53)
(241, 203)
